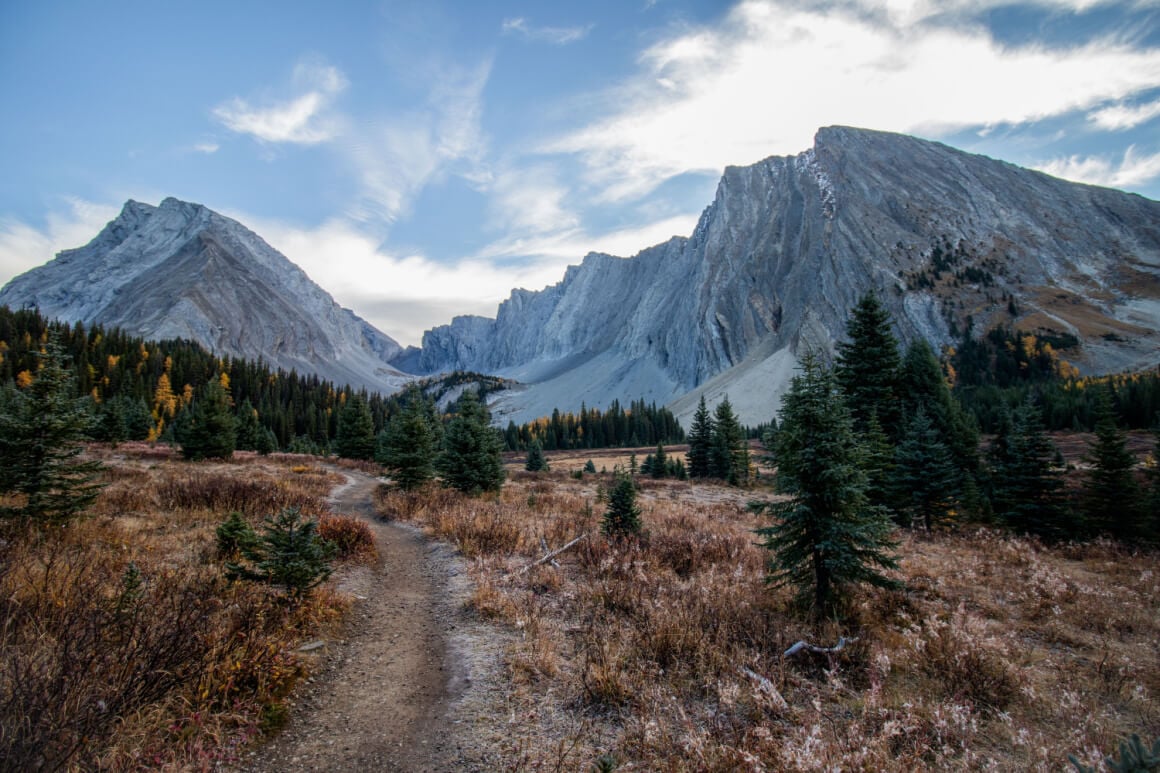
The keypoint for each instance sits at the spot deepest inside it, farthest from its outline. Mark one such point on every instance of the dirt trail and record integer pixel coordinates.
(381, 697)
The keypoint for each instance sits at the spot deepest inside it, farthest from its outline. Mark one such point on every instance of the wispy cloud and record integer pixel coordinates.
(1118, 117)
(208, 148)
(764, 79)
(23, 247)
(1133, 168)
(397, 157)
(302, 119)
(559, 36)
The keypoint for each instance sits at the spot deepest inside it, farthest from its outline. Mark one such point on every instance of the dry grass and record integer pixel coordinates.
(124, 646)
(1000, 654)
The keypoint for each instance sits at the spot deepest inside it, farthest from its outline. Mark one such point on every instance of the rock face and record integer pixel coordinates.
(180, 270)
(789, 245)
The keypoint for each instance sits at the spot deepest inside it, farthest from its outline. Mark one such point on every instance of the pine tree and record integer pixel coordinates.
(622, 519)
(1025, 483)
(879, 465)
(867, 366)
(1111, 496)
(470, 460)
(42, 427)
(700, 439)
(407, 445)
(287, 552)
(827, 536)
(660, 463)
(923, 385)
(211, 429)
(535, 461)
(729, 453)
(355, 437)
(1153, 494)
(249, 428)
(924, 475)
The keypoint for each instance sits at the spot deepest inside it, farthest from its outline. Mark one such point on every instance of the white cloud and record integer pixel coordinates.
(559, 36)
(1117, 117)
(405, 295)
(771, 73)
(1133, 168)
(23, 247)
(396, 158)
(303, 119)
(207, 147)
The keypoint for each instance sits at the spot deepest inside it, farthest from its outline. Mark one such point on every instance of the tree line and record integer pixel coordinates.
(640, 424)
(877, 439)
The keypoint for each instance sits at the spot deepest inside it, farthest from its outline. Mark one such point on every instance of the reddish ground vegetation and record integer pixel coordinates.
(667, 652)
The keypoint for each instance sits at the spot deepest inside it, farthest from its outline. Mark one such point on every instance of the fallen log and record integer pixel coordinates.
(807, 647)
(549, 556)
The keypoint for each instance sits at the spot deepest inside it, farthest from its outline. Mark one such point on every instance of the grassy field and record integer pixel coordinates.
(124, 647)
(667, 653)
(664, 653)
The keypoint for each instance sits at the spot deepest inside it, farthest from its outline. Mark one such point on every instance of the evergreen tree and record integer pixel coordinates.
(407, 446)
(826, 536)
(729, 454)
(923, 385)
(660, 462)
(590, 466)
(925, 476)
(41, 430)
(881, 489)
(535, 461)
(1024, 481)
(355, 438)
(288, 553)
(1153, 494)
(622, 519)
(210, 433)
(249, 428)
(1111, 496)
(470, 460)
(867, 366)
(700, 443)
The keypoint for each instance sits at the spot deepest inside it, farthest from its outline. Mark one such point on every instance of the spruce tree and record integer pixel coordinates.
(700, 439)
(407, 445)
(42, 427)
(355, 435)
(470, 459)
(249, 428)
(879, 465)
(924, 474)
(1111, 496)
(288, 552)
(826, 537)
(729, 453)
(535, 461)
(210, 431)
(867, 366)
(622, 519)
(660, 462)
(1025, 483)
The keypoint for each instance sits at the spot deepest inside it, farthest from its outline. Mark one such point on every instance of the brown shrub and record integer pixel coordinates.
(354, 538)
(222, 493)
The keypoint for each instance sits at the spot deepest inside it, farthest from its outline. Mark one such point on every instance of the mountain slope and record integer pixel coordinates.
(180, 270)
(788, 246)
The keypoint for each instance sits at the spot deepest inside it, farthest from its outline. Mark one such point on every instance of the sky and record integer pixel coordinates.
(419, 160)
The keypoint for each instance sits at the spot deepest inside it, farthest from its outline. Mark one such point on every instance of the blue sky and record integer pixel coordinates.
(421, 159)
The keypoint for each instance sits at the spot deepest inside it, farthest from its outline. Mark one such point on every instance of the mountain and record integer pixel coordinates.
(180, 270)
(948, 239)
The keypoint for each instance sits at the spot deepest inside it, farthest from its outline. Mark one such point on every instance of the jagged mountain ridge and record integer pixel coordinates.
(788, 246)
(181, 270)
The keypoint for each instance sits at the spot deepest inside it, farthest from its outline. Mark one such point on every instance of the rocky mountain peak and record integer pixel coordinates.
(181, 270)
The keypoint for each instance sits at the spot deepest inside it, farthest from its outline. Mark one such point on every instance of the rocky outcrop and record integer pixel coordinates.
(789, 244)
(180, 270)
